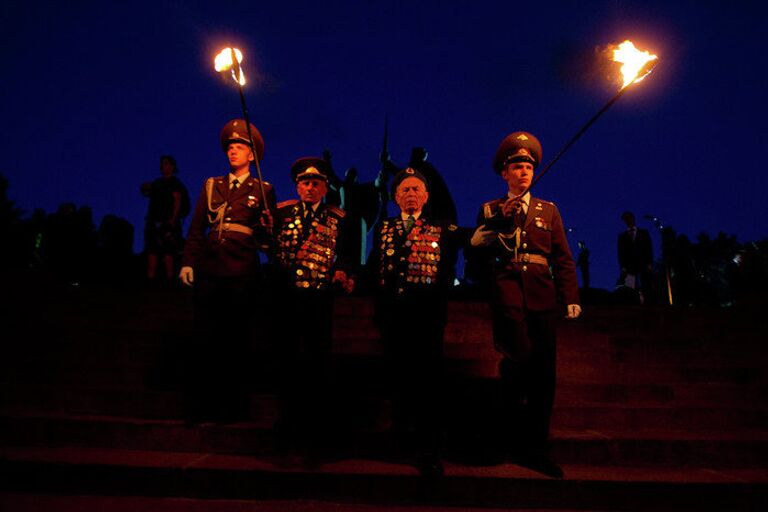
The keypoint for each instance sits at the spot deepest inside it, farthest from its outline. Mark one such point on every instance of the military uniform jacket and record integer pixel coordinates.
(217, 244)
(416, 267)
(527, 284)
(308, 250)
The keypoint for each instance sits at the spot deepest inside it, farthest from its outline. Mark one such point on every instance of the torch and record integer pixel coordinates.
(229, 59)
(636, 65)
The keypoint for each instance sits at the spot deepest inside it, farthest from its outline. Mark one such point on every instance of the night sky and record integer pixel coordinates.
(93, 93)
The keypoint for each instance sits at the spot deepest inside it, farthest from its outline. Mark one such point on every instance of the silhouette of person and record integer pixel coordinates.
(635, 257)
(582, 261)
(168, 205)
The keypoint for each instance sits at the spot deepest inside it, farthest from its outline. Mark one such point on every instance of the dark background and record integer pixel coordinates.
(92, 93)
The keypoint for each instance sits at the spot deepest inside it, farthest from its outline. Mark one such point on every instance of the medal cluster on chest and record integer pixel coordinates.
(417, 260)
(309, 257)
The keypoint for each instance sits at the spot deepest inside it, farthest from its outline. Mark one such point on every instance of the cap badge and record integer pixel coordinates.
(522, 136)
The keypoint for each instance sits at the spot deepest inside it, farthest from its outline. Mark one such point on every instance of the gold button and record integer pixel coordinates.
(525, 267)
(523, 233)
(525, 245)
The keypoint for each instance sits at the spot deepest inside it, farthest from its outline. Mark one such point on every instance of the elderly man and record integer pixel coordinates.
(413, 264)
(229, 225)
(313, 257)
(521, 238)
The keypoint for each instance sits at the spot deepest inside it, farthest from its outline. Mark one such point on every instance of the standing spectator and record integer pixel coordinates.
(582, 261)
(168, 205)
(635, 257)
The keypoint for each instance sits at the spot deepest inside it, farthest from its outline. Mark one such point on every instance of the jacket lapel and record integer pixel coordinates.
(221, 187)
(532, 211)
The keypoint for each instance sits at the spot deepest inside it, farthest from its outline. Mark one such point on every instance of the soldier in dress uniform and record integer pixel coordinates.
(413, 266)
(313, 259)
(521, 238)
(230, 224)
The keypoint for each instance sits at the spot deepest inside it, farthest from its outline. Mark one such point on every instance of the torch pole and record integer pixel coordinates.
(577, 136)
(581, 132)
(238, 76)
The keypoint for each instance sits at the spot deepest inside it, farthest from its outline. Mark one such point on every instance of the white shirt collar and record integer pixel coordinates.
(241, 179)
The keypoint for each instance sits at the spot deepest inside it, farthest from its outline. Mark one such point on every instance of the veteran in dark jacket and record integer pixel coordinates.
(221, 262)
(413, 267)
(313, 259)
(533, 276)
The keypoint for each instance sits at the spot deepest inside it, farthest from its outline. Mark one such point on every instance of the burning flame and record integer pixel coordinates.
(633, 62)
(223, 62)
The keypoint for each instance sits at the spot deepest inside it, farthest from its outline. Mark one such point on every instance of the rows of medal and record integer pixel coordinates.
(316, 261)
(423, 260)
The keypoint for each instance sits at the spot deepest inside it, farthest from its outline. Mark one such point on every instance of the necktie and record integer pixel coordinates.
(409, 222)
(519, 215)
(309, 215)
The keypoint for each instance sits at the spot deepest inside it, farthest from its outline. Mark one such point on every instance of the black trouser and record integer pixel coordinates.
(528, 374)
(304, 345)
(219, 358)
(412, 337)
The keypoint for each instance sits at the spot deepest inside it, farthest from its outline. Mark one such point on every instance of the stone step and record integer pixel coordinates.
(77, 471)
(107, 361)
(126, 354)
(163, 398)
(61, 503)
(667, 447)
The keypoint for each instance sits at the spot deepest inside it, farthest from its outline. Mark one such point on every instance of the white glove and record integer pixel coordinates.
(482, 237)
(574, 310)
(187, 276)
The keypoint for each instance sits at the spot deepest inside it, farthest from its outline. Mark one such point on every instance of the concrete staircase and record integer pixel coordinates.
(656, 409)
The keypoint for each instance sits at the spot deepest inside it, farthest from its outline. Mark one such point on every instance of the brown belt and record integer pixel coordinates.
(228, 226)
(525, 257)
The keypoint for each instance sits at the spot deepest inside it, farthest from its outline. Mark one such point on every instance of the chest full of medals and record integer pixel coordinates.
(409, 259)
(307, 249)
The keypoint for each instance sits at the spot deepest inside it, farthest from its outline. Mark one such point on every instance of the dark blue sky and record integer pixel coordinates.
(91, 94)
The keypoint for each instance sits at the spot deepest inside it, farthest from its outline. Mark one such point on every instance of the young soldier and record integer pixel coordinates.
(524, 243)
(221, 261)
(413, 264)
